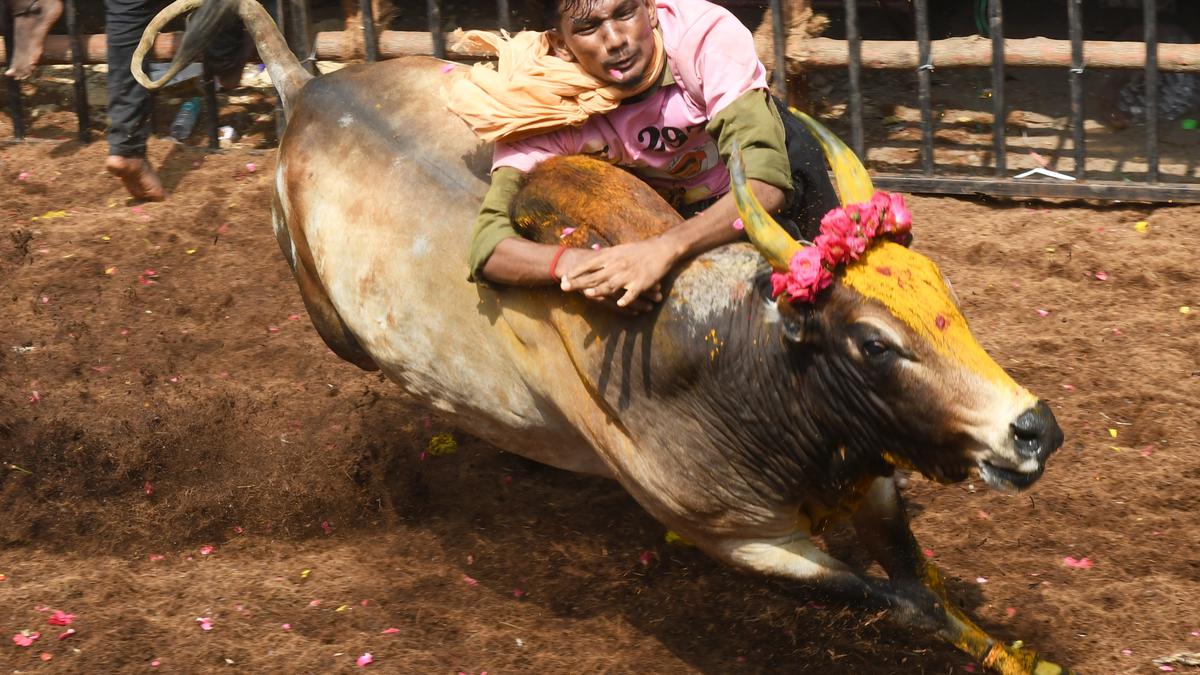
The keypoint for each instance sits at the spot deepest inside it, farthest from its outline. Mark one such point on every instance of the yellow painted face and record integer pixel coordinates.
(910, 286)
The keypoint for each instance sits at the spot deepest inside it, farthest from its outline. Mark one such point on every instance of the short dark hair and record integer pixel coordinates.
(555, 9)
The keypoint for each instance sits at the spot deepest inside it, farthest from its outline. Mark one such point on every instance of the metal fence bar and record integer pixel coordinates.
(301, 37)
(1150, 21)
(778, 38)
(925, 60)
(370, 43)
(854, 71)
(14, 88)
(81, 97)
(1128, 191)
(212, 110)
(434, 8)
(503, 15)
(1075, 19)
(282, 24)
(996, 28)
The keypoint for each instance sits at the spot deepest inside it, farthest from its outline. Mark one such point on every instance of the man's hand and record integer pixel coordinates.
(631, 271)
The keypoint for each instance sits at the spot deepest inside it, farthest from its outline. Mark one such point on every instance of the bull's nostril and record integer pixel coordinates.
(1027, 432)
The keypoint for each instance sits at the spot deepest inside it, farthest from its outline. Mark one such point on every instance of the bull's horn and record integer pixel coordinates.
(853, 183)
(767, 236)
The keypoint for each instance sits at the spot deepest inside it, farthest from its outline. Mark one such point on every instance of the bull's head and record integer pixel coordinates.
(895, 348)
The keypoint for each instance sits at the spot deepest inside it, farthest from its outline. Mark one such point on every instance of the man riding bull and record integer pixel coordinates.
(664, 88)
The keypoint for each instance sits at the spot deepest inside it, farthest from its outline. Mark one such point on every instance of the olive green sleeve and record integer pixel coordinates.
(492, 225)
(753, 120)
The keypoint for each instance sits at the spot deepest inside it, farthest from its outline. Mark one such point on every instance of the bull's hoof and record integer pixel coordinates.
(1047, 668)
(1016, 661)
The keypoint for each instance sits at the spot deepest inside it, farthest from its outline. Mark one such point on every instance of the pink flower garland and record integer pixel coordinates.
(846, 232)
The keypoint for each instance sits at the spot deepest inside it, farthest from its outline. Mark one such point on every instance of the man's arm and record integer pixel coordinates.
(754, 123)
(498, 254)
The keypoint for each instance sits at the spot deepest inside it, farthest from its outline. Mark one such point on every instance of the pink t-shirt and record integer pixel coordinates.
(662, 138)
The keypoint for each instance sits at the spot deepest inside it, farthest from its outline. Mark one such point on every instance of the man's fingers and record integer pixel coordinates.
(631, 294)
(577, 276)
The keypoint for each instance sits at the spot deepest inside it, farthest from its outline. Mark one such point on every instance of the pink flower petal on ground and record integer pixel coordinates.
(448, 67)
(1101, 276)
(470, 581)
(518, 593)
(1068, 387)
(25, 638)
(595, 247)
(1010, 611)
(251, 167)
(1166, 669)
(1195, 633)
(647, 557)
(155, 557)
(206, 549)
(45, 656)
(155, 663)
(66, 634)
(238, 529)
(390, 631)
(314, 603)
(326, 526)
(23, 176)
(1147, 451)
(364, 603)
(1042, 312)
(567, 231)
(981, 580)
(60, 618)
(737, 224)
(293, 317)
(286, 626)
(272, 329)
(928, 552)
(1080, 564)
(1127, 652)
(41, 608)
(365, 659)
(205, 622)
(970, 667)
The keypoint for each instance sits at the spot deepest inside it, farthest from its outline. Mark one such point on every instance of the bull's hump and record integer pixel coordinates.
(713, 283)
(912, 288)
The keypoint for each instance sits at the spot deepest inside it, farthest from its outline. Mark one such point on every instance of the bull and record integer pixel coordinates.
(744, 423)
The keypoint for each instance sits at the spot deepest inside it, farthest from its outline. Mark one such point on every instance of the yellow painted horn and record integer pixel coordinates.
(767, 235)
(853, 183)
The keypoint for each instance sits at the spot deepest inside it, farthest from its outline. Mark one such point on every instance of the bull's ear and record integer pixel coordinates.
(799, 322)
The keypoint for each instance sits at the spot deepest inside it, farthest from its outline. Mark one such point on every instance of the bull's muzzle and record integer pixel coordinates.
(1035, 436)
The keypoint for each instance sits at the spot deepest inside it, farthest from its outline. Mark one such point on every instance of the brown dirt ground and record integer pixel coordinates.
(201, 409)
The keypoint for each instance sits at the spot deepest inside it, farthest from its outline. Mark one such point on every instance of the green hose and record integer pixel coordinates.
(981, 18)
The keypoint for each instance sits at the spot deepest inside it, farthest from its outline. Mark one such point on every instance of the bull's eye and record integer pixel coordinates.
(875, 348)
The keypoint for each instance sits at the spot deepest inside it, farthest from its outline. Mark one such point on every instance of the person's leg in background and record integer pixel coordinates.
(128, 101)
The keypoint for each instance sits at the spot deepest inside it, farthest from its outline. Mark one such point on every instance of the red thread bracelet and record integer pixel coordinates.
(554, 262)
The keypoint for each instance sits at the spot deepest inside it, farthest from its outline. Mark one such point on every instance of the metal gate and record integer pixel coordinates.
(919, 57)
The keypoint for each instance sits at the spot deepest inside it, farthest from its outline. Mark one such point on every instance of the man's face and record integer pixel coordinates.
(612, 40)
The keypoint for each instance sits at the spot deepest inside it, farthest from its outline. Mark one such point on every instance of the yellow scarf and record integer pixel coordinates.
(532, 91)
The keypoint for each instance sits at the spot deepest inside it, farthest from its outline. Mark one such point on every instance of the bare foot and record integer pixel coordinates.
(33, 21)
(138, 176)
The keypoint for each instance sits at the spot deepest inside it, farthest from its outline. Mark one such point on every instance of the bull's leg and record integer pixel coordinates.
(883, 528)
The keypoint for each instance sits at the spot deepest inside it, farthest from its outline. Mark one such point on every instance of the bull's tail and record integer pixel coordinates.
(283, 67)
